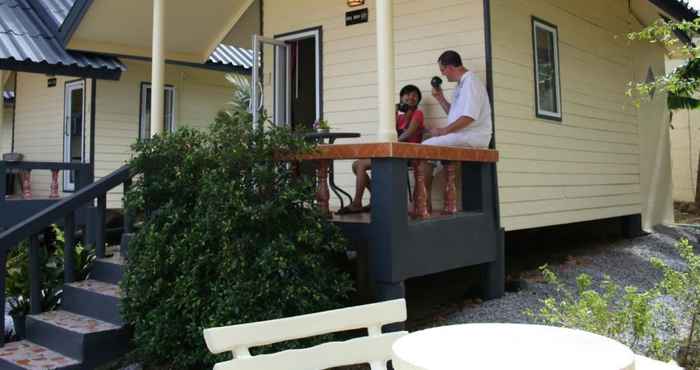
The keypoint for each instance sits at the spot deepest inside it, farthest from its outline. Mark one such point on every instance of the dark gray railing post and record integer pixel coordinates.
(68, 249)
(128, 217)
(34, 275)
(3, 264)
(3, 181)
(100, 226)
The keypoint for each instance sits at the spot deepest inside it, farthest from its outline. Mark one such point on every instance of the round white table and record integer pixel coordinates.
(509, 347)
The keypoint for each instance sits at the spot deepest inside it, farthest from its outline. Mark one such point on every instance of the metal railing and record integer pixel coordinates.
(63, 211)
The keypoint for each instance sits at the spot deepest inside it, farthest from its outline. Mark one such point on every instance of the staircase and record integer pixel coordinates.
(86, 332)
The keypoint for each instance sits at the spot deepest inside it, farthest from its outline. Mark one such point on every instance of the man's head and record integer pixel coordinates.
(450, 64)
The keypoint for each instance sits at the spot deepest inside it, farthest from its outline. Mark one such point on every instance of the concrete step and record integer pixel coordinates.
(93, 298)
(83, 338)
(109, 269)
(27, 355)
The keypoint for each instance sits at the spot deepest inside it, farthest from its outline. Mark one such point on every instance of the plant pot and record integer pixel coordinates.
(19, 325)
(324, 130)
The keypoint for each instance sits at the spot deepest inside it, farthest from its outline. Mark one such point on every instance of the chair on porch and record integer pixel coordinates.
(374, 349)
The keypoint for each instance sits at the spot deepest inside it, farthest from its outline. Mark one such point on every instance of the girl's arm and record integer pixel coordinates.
(415, 121)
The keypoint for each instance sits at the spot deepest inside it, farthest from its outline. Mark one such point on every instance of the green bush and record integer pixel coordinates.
(230, 237)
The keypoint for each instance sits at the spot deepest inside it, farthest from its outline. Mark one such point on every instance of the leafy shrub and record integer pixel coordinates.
(231, 237)
(662, 322)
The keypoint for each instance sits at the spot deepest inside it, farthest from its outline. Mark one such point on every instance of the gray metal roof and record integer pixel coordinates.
(25, 39)
(231, 55)
(57, 9)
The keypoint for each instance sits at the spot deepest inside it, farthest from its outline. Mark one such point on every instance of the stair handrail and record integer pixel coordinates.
(65, 209)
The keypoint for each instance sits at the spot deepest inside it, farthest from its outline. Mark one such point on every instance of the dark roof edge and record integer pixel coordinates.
(208, 65)
(676, 9)
(60, 70)
(72, 21)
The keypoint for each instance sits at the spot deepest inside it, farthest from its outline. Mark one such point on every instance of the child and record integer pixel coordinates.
(409, 127)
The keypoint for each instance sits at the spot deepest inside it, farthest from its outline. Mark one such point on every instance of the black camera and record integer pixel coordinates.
(436, 82)
(403, 107)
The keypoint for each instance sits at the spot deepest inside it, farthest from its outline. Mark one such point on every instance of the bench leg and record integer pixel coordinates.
(493, 273)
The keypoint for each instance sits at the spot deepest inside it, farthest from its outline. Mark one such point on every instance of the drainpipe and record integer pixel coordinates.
(157, 67)
(385, 71)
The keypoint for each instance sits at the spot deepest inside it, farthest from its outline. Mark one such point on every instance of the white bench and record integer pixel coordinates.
(645, 363)
(374, 349)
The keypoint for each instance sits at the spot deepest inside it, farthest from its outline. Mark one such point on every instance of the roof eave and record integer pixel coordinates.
(59, 69)
(675, 9)
(72, 21)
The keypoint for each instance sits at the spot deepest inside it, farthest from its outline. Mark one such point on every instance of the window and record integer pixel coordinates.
(168, 110)
(546, 54)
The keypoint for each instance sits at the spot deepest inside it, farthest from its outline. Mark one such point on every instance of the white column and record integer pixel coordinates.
(157, 67)
(385, 71)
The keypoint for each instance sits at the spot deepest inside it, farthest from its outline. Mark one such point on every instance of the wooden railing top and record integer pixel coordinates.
(401, 150)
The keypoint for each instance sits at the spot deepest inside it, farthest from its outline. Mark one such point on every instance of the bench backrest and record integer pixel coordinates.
(374, 349)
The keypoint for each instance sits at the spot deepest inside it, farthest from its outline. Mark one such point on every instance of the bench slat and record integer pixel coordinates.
(231, 338)
(323, 356)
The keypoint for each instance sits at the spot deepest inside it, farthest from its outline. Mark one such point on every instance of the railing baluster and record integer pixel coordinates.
(100, 226)
(27, 184)
(34, 275)
(3, 263)
(128, 217)
(450, 196)
(420, 194)
(54, 184)
(68, 249)
(322, 193)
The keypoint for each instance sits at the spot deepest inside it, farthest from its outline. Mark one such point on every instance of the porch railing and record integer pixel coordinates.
(401, 243)
(63, 211)
(83, 175)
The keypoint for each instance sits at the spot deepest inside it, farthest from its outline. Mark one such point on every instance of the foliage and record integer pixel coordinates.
(232, 237)
(322, 125)
(241, 90)
(684, 287)
(627, 314)
(682, 83)
(648, 321)
(51, 252)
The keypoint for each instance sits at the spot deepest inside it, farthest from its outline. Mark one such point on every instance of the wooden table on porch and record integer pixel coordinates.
(396, 247)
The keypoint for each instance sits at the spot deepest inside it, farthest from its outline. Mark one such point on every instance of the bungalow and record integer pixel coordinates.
(71, 106)
(572, 146)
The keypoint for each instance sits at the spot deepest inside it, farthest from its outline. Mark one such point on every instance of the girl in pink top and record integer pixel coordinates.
(409, 127)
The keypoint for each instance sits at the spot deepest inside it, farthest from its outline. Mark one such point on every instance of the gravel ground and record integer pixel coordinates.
(625, 261)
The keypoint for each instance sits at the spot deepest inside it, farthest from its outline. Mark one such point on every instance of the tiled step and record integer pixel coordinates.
(84, 338)
(93, 298)
(109, 270)
(28, 355)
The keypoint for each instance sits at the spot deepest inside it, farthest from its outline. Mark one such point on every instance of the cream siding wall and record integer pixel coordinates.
(199, 95)
(423, 30)
(685, 148)
(39, 124)
(589, 166)
(6, 130)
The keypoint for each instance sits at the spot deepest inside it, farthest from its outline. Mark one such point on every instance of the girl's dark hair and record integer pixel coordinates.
(409, 89)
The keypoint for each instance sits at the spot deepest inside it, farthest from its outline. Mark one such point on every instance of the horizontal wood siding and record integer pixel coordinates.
(685, 149)
(6, 130)
(587, 166)
(423, 30)
(199, 95)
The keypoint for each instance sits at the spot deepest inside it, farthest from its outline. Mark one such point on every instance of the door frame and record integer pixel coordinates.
(317, 34)
(70, 86)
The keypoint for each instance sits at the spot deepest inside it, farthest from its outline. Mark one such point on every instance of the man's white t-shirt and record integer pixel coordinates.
(471, 99)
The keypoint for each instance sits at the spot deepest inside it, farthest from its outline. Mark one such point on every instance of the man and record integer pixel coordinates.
(468, 116)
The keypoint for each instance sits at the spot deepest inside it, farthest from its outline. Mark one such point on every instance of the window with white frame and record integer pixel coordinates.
(168, 110)
(545, 41)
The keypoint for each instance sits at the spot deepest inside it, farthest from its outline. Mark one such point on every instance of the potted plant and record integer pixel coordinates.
(322, 126)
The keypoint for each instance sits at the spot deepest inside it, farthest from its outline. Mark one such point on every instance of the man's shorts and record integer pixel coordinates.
(459, 139)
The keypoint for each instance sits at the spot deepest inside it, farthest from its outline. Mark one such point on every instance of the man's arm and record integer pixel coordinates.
(440, 97)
